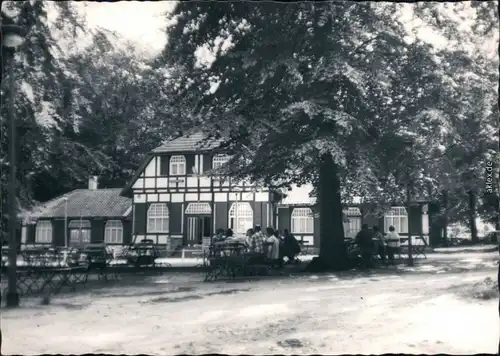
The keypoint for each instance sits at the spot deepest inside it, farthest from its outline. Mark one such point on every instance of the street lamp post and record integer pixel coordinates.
(409, 186)
(12, 38)
(410, 243)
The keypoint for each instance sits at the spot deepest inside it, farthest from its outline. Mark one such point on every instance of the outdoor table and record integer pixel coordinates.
(32, 279)
(99, 258)
(68, 276)
(224, 258)
(142, 254)
(38, 269)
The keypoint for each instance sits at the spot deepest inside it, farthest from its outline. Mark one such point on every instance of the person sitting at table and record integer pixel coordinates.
(258, 231)
(257, 241)
(229, 233)
(255, 251)
(273, 249)
(219, 235)
(250, 233)
(291, 247)
(393, 243)
(365, 243)
(380, 241)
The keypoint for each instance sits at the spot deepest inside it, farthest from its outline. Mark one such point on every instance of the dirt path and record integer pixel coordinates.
(413, 313)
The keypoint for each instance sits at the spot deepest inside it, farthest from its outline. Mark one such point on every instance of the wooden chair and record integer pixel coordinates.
(420, 249)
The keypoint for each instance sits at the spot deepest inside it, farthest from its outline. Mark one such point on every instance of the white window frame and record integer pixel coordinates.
(198, 209)
(352, 221)
(397, 216)
(177, 166)
(302, 221)
(74, 232)
(113, 232)
(158, 218)
(43, 232)
(352, 226)
(219, 160)
(245, 217)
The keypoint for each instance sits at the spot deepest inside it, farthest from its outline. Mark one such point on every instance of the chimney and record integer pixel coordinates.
(93, 183)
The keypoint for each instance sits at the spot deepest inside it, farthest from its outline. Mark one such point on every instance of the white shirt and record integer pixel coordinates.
(273, 252)
(393, 239)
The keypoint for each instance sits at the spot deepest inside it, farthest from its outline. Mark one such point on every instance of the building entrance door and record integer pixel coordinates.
(197, 228)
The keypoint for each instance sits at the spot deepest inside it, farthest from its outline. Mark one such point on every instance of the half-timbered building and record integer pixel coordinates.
(176, 202)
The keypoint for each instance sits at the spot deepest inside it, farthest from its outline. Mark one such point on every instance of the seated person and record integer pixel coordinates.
(365, 243)
(380, 242)
(291, 247)
(393, 244)
(249, 235)
(257, 241)
(273, 251)
(255, 252)
(219, 235)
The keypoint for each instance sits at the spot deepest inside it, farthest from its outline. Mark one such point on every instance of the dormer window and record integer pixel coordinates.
(220, 160)
(178, 166)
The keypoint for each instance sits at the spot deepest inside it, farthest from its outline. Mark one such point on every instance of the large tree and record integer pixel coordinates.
(330, 93)
(37, 73)
(111, 103)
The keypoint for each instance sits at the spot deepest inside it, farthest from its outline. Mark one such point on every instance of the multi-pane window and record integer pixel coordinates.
(177, 165)
(43, 233)
(242, 220)
(397, 217)
(219, 160)
(199, 209)
(352, 221)
(302, 221)
(158, 218)
(113, 232)
(79, 232)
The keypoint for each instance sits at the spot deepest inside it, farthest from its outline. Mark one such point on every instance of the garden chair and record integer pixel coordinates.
(419, 249)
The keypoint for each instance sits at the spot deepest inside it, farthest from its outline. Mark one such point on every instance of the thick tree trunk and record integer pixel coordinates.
(472, 216)
(333, 254)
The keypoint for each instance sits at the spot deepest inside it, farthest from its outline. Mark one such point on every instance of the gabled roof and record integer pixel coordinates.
(193, 142)
(127, 190)
(85, 203)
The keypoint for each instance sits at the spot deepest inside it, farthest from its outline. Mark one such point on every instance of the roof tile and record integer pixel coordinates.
(85, 203)
(193, 142)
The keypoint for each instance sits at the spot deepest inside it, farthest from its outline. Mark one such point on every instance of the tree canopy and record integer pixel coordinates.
(84, 104)
(290, 85)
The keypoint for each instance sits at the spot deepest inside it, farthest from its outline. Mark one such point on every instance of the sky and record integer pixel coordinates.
(140, 22)
(144, 22)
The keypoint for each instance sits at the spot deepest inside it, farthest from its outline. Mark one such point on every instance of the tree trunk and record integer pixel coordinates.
(472, 216)
(333, 253)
